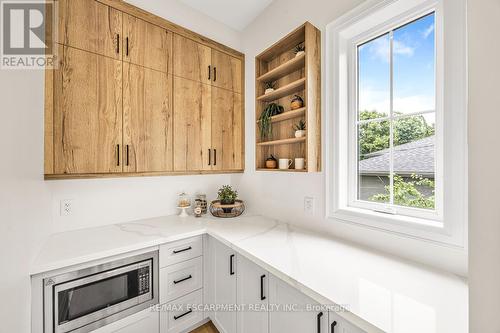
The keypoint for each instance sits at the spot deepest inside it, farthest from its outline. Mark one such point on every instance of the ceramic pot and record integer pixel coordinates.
(296, 104)
(271, 164)
(298, 54)
(269, 90)
(300, 134)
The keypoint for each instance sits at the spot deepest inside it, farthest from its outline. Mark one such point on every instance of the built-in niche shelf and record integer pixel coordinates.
(293, 75)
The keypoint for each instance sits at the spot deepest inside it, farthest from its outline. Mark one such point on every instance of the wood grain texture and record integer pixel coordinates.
(87, 113)
(147, 45)
(192, 125)
(227, 71)
(147, 120)
(192, 60)
(227, 136)
(91, 26)
(138, 174)
(207, 328)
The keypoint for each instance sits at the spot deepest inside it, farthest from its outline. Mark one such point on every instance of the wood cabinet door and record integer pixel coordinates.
(192, 60)
(91, 26)
(87, 113)
(227, 130)
(227, 71)
(146, 44)
(147, 120)
(192, 125)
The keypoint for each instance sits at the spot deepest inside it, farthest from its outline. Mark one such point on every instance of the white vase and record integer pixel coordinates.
(269, 90)
(298, 54)
(300, 134)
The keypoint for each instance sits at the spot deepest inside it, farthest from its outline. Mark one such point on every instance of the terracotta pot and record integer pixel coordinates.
(271, 164)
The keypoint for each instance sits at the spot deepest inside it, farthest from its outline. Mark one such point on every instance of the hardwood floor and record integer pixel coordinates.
(207, 328)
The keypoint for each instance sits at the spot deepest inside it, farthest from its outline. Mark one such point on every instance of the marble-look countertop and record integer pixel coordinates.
(380, 291)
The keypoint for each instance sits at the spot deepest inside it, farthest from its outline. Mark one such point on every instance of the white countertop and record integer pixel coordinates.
(392, 294)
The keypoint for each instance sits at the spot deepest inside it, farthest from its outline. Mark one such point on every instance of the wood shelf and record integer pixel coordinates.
(282, 141)
(283, 91)
(284, 69)
(287, 115)
(281, 170)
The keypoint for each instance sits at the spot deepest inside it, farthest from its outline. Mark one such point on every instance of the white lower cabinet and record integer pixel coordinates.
(296, 312)
(146, 321)
(252, 293)
(181, 314)
(181, 279)
(340, 325)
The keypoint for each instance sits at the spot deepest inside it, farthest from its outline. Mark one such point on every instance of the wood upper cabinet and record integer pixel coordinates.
(146, 44)
(91, 26)
(192, 130)
(227, 129)
(227, 71)
(192, 60)
(87, 113)
(147, 120)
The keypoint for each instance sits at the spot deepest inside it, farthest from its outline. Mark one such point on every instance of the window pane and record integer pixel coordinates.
(373, 161)
(374, 78)
(414, 66)
(414, 161)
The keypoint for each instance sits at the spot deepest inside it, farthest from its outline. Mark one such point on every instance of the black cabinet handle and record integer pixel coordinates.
(215, 156)
(209, 156)
(126, 46)
(262, 297)
(209, 72)
(128, 155)
(183, 250)
(231, 258)
(182, 280)
(182, 315)
(332, 326)
(117, 43)
(118, 155)
(319, 321)
(215, 74)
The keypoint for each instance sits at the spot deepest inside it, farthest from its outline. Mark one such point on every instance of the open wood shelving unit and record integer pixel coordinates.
(294, 75)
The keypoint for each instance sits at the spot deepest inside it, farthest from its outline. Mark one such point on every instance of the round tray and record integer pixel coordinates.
(217, 209)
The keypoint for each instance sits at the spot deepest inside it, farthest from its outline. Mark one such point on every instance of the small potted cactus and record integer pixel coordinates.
(300, 129)
(299, 50)
(270, 86)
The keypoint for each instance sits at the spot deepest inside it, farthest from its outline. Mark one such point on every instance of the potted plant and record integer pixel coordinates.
(297, 102)
(300, 129)
(265, 124)
(271, 162)
(270, 86)
(299, 50)
(227, 196)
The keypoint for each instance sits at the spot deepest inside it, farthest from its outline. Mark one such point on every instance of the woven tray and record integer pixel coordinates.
(225, 211)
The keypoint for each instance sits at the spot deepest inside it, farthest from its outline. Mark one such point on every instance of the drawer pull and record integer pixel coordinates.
(231, 260)
(182, 280)
(183, 250)
(319, 321)
(332, 326)
(262, 297)
(182, 315)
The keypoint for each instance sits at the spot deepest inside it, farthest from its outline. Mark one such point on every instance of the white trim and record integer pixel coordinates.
(447, 224)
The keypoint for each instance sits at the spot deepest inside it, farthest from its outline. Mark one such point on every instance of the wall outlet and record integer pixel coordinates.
(309, 206)
(66, 207)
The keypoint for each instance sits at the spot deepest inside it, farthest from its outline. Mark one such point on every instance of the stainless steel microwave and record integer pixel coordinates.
(84, 300)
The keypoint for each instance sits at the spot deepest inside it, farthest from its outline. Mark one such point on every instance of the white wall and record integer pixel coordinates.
(281, 195)
(484, 210)
(29, 206)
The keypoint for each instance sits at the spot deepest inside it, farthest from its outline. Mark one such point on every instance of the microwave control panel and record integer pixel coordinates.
(143, 280)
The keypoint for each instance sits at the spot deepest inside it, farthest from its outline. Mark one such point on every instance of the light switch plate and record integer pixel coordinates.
(309, 206)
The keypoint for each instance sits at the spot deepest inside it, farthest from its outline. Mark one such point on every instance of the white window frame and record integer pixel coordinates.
(447, 223)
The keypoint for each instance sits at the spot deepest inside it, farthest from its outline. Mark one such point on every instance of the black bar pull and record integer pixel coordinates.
(215, 74)
(209, 72)
(126, 46)
(182, 315)
(231, 269)
(184, 279)
(183, 250)
(128, 155)
(209, 156)
(215, 156)
(319, 321)
(117, 43)
(332, 326)
(118, 155)
(262, 297)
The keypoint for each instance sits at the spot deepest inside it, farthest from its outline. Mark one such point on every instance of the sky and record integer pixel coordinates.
(414, 69)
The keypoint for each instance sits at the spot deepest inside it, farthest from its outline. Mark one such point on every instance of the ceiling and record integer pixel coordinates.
(234, 13)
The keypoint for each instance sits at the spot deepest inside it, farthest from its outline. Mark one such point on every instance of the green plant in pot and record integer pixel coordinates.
(269, 86)
(227, 196)
(300, 129)
(265, 124)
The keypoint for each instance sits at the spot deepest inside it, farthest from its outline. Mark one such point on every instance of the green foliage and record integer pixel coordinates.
(270, 85)
(227, 194)
(300, 126)
(375, 136)
(265, 124)
(407, 194)
(299, 48)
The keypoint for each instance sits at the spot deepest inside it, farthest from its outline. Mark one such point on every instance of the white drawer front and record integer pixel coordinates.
(182, 250)
(181, 316)
(180, 279)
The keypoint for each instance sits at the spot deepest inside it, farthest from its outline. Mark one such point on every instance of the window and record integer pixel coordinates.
(396, 136)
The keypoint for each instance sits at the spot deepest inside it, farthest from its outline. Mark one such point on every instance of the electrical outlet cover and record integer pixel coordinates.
(309, 205)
